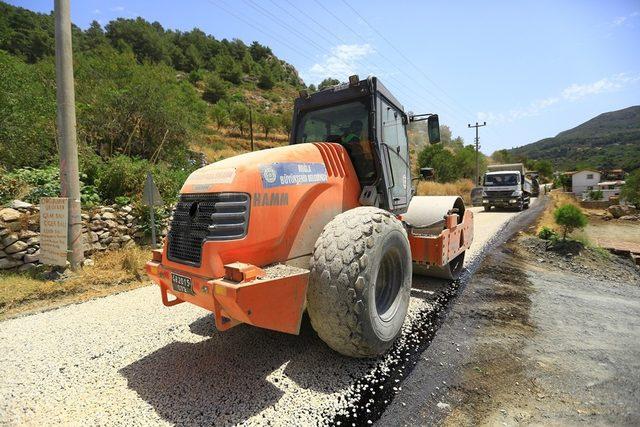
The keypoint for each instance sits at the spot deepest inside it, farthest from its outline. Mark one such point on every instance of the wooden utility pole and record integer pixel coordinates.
(66, 121)
(477, 181)
(251, 127)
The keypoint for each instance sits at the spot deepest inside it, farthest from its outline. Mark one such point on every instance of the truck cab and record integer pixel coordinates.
(506, 189)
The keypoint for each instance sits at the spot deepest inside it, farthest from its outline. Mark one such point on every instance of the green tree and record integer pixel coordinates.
(239, 115)
(146, 39)
(27, 113)
(465, 160)
(545, 168)
(441, 160)
(569, 217)
(286, 122)
(502, 156)
(228, 69)
(328, 82)
(267, 122)
(94, 37)
(631, 189)
(220, 114)
(215, 88)
(259, 52)
(266, 80)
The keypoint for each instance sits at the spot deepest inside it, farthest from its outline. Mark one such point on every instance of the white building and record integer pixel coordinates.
(584, 181)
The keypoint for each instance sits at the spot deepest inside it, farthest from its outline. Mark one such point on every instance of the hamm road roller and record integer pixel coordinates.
(328, 223)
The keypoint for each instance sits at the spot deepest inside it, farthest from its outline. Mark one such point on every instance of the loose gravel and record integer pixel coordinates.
(127, 359)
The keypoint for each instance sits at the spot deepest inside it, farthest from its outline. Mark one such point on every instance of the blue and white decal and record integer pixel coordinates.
(281, 174)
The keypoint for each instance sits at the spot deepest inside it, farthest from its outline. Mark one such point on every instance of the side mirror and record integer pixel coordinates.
(427, 173)
(433, 128)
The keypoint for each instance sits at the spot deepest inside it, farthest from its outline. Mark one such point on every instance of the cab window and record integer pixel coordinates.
(346, 124)
(394, 138)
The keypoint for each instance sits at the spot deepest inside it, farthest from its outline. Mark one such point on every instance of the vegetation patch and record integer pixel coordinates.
(40, 289)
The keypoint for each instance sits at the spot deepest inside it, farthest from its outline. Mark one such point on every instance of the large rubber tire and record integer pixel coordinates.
(487, 208)
(360, 282)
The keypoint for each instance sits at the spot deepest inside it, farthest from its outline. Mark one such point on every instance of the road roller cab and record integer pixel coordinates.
(328, 223)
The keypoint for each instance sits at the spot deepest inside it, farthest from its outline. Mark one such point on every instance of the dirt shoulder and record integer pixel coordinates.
(535, 338)
(44, 288)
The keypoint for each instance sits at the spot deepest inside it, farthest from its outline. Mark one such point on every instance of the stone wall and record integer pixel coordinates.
(103, 228)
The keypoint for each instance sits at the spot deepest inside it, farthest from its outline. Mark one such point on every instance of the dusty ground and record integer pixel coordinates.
(535, 338)
(614, 233)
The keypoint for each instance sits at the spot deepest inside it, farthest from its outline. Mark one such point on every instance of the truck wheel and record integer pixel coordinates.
(360, 282)
(487, 208)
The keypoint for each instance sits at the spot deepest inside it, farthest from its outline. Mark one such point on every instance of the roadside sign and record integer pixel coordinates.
(150, 194)
(54, 220)
(151, 197)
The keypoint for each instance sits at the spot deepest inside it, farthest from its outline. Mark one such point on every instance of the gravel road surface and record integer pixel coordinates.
(127, 359)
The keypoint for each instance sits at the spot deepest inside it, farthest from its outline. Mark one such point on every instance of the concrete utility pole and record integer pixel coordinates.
(66, 120)
(477, 150)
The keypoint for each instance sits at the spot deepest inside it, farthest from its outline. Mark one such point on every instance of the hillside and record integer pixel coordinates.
(610, 140)
(141, 89)
(148, 99)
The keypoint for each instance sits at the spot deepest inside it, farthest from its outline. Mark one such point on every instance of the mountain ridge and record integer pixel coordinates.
(606, 141)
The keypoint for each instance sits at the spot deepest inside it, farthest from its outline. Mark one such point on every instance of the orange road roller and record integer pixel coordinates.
(328, 223)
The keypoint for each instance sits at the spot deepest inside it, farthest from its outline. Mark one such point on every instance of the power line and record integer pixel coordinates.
(291, 30)
(257, 28)
(410, 92)
(405, 57)
(444, 103)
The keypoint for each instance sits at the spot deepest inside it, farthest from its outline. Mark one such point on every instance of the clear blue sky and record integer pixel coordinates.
(530, 69)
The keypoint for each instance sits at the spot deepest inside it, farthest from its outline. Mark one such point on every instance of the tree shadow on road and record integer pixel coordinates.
(236, 374)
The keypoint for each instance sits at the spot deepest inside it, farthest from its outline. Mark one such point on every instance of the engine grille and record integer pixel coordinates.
(200, 217)
(499, 194)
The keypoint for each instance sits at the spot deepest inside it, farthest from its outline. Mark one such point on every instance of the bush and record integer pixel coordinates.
(569, 217)
(215, 88)
(547, 233)
(595, 195)
(124, 176)
(27, 114)
(266, 81)
(631, 189)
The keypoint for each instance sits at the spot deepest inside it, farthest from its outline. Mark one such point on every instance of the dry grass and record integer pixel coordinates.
(113, 272)
(461, 188)
(556, 199)
(223, 143)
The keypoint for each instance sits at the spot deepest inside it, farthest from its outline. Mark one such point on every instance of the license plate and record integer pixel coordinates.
(181, 283)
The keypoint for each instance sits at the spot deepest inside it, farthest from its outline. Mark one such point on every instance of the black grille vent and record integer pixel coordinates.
(200, 217)
(502, 194)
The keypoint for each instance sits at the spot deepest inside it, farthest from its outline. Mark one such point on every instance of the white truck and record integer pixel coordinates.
(506, 186)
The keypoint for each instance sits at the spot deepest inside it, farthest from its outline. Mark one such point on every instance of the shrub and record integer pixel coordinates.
(89, 196)
(27, 113)
(547, 233)
(122, 200)
(267, 122)
(595, 195)
(569, 217)
(125, 176)
(215, 88)
(631, 189)
(265, 81)
(220, 114)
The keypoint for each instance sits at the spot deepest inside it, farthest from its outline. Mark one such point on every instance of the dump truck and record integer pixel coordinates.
(506, 186)
(329, 224)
